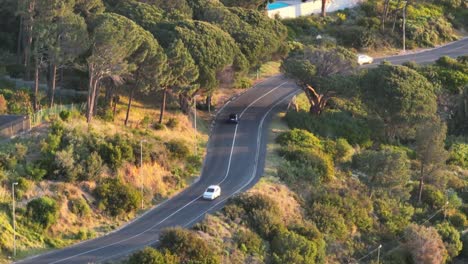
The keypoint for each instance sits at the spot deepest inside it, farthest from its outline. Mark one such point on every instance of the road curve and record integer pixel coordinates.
(454, 49)
(234, 160)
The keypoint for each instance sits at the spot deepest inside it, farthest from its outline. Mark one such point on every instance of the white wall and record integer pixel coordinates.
(311, 7)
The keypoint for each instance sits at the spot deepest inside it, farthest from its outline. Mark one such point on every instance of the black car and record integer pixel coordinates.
(233, 118)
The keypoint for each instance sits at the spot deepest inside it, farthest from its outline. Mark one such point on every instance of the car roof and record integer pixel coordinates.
(213, 186)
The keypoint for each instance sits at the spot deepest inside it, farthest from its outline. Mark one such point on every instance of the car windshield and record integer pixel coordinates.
(210, 190)
(232, 116)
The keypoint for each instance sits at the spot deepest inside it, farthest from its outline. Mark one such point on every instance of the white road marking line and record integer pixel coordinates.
(254, 172)
(153, 226)
(259, 133)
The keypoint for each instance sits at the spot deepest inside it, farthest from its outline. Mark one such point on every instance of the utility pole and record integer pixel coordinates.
(14, 218)
(378, 253)
(195, 120)
(404, 26)
(141, 174)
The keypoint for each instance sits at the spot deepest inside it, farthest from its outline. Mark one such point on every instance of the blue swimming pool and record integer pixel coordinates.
(276, 5)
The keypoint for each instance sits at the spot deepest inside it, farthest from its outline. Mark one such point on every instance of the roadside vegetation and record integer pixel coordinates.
(369, 157)
(382, 163)
(377, 26)
(140, 68)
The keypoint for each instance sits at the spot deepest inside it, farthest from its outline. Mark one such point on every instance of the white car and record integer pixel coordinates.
(364, 59)
(212, 192)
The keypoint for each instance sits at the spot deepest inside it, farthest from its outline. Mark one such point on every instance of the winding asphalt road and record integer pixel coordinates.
(235, 160)
(454, 49)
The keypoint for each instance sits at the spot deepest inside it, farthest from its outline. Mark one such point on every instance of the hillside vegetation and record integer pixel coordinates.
(140, 68)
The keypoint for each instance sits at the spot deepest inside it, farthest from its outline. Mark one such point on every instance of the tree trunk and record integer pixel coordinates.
(207, 102)
(130, 99)
(96, 96)
(395, 16)
(27, 56)
(91, 92)
(184, 103)
(53, 83)
(324, 7)
(163, 105)
(421, 183)
(36, 87)
(384, 14)
(20, 40)
(29, 40)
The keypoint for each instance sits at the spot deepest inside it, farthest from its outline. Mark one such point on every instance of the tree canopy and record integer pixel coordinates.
(400, 98)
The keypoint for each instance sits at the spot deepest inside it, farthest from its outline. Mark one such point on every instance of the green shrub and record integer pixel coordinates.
(458, 220)
(393, 214)
(172, 123)
(299, 137)
(289, 247)
(433, 197)
(152, 256)
(178, 149)
(310, 163)
(344, 150)
(23, 186)
(43, 211)
(259, 211)
(158, 126)
(328, 220)
(188, 246)
(459, 155)
(117, 198)
(249, 242)
(242, 83)
(93, 167)
(65, 166)
(65, 115)
(451, 238)
(79, 207)
(117, 151)
(332, 124)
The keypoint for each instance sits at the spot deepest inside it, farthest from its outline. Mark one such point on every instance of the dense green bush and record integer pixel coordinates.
(249, 242)
(451, 238)
(172, 123)
(79, 207)
(259, 211)
(315, 163)
(178, 149)
(459, 155)
(343, 150)
(23, 186)
(117, 198)
(189, 247)
(152, 256)
(332, 124)
(299, 137)
(43, 211)
(116, 151)
(328, 220)
(393, 214)
(458, 220)
(433, 197)
(65, 115)
(289, 247)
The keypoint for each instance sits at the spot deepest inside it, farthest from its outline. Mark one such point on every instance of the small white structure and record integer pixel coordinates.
(297, 8)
